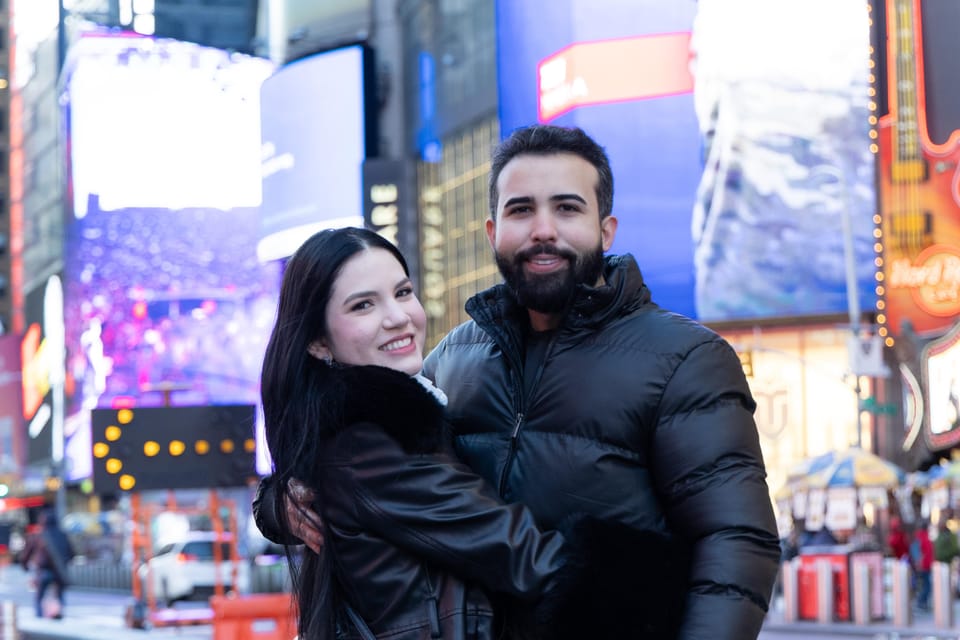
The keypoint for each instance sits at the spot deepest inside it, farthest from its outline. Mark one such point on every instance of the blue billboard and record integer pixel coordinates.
(317, 131)
(737, 148)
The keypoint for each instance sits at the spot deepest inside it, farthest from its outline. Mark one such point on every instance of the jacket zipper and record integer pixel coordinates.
(513, 449)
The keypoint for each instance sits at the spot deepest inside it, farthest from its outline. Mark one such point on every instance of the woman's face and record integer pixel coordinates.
(373, 316)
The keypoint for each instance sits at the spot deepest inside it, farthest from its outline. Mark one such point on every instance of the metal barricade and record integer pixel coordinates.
(791, 596)
(824, 591)
(902, 613)
(8, 621)
(860, 590)
(942, 596)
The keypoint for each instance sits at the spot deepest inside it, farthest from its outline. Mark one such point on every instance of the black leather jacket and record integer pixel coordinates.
(399, 510)
(635, 415)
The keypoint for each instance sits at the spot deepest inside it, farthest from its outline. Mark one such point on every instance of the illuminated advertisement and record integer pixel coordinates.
(941, 366)
(737, 149)
(166, 303)
(11, 418)
(919, 194)
(316, 134)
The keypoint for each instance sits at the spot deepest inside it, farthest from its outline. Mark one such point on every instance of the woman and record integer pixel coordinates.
(407, 529)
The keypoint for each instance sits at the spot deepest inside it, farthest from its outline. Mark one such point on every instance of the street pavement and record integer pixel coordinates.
(101, 615)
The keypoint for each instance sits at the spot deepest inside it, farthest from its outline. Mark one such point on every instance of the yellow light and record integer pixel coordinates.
(249, 445)
(871, 91)
(124, 416)
(226, 446)
(177, 447)
(882, 319)
(871, 78)
(878, 261)
(882, 331)
(101, 449)
(872, 119)
(202, 447)
(112, 433)
(871, 64)
(888, 342)
(872, 105)
(880, 290)
(873, 134)
(877, 233)
(878, 247)
(126, 482)
(881, 305)
(114, 465)
(870, 49)
(151, 448)
(879, 276)
(877, 219)
(874, 148)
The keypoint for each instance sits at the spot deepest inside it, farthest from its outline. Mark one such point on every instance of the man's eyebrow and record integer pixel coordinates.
(567, 196)
(554, 198)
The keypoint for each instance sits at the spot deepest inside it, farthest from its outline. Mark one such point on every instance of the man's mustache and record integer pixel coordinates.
(545, 249)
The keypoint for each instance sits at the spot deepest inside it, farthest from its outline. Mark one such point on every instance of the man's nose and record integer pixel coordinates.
(544, 227)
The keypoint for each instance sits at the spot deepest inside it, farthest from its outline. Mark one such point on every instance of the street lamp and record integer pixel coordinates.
(849, 260)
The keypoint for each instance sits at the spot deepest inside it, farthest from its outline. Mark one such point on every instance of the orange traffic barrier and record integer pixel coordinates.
(262, 616)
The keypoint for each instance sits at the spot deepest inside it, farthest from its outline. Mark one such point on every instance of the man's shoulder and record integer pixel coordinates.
(668, 330)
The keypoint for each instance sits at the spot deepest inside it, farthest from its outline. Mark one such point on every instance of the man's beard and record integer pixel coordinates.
(550, 292)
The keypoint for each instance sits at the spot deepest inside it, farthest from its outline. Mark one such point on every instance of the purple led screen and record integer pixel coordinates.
(730, 194)
(165, 299)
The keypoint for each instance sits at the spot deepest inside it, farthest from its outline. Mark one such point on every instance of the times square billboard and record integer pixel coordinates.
(736, 144)
(165, 301)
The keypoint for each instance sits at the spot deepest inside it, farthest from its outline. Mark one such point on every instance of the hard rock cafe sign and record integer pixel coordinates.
(933, 279)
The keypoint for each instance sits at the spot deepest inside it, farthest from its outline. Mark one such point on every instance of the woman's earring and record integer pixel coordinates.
(328, 360)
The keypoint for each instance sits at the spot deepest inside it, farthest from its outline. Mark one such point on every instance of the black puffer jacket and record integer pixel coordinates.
(635, 415)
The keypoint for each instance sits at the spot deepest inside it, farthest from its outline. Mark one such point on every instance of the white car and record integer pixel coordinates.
(186, 567)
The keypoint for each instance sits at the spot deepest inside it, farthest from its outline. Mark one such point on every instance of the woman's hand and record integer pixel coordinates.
(302, 520)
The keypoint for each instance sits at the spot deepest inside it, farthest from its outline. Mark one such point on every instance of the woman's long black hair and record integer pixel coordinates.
(300, 394)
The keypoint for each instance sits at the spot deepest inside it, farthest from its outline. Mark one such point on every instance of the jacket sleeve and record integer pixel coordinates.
(434, 507)
(264, 513)
(709, 472)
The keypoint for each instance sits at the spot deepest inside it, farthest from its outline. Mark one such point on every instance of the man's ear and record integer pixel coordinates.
(319, 351)
(608, 230)
(492, 233)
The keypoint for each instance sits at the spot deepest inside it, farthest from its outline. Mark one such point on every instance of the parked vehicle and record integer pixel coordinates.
(186, 567)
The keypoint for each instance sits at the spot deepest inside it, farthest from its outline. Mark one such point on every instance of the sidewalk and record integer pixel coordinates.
(922, 626)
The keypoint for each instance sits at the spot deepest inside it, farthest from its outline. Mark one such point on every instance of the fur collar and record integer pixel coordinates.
(396, 402)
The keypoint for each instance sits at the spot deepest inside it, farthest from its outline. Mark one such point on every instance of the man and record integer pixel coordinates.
(47, 554)
(572, 392)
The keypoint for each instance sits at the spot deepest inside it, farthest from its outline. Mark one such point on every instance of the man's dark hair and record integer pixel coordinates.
(544, 140)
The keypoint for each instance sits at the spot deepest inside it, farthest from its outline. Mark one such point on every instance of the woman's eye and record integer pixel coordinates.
(406, 291)
(360, 306)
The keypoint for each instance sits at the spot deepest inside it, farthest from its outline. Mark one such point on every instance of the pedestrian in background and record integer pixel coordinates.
(46, 554)
(921, 557)
(572, 391)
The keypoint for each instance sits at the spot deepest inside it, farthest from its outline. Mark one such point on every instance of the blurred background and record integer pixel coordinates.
(786, 173)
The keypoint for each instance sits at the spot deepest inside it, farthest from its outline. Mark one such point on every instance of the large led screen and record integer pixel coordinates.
(166, 302)
(736, 144)
(315, 137)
